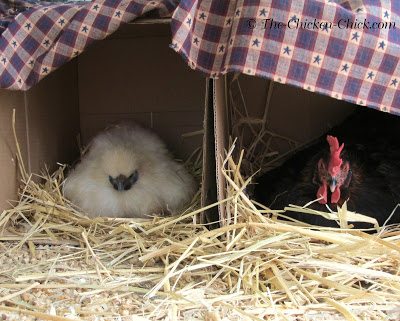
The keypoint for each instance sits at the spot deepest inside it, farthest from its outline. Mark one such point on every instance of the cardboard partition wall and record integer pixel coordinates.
(47, 123)
(297, 114)
(132, 75)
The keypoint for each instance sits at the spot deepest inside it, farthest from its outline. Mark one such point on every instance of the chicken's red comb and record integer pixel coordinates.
(334, 161)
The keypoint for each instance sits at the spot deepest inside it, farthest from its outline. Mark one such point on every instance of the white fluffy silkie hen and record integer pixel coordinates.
(128, 172)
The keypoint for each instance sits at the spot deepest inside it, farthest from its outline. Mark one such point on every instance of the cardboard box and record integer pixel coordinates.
(297, 114)
(134, 75)
(131, 75)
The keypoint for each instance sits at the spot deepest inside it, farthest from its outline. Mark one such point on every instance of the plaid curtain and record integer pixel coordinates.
(349, 50)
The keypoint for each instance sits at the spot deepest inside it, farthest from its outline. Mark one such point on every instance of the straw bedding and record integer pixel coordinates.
(57, 264)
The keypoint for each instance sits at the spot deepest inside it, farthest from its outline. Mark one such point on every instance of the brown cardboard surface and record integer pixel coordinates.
(221, 136)
(172, 125)
(294, 113)
(47, 122)
(135, 75)
(209, 187)
(53, 119)
(94, 123)
(8, 163)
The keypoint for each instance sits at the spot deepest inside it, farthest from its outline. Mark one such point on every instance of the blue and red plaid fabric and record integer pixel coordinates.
(43, 38)
(10, 8)
(356, 65)
(220, 36)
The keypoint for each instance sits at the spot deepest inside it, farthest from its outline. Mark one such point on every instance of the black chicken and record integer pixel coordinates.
(364, 171)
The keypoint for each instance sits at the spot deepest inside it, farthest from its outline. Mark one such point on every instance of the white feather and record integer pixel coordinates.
(162, 182)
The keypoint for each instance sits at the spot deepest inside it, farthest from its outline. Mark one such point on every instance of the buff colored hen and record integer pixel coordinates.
(128, 172)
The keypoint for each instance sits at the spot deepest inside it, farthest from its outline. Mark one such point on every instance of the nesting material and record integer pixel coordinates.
(57, 264)
(252, 131)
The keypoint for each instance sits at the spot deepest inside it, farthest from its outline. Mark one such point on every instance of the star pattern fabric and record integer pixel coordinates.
(358, 65)
(44, 35)
(10, 8)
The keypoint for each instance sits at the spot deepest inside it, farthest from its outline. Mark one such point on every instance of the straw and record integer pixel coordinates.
(58, 264)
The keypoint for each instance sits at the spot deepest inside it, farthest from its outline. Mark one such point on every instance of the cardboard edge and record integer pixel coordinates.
(221, 137)
(208, 187)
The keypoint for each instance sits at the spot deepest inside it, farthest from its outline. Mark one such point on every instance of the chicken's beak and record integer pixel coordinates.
(332, 186)
(120, 183)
